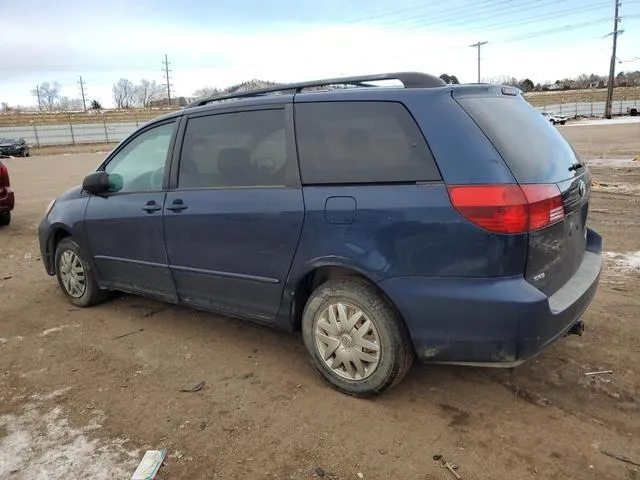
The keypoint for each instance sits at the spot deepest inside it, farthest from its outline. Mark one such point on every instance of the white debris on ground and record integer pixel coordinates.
(41, 444)
(622, 263)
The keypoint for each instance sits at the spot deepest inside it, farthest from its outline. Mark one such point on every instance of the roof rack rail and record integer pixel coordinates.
(408, 79)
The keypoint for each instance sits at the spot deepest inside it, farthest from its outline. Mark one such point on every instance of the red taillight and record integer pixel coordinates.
(508, 208)
(545, 205)
(4, 176)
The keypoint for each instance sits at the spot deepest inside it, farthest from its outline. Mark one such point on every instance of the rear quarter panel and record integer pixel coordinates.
(401, 230)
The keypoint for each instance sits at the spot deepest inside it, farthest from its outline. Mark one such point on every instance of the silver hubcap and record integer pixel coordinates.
(347, 341)
(72, 274)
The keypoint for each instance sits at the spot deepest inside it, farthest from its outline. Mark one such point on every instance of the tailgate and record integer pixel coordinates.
(555, 252)
(537, 154)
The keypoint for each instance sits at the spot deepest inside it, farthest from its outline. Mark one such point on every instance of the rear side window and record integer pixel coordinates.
(361, 142)
(241, 149)
(533, 149)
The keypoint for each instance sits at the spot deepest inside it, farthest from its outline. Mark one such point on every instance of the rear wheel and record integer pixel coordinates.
(355, 339)
(75, 276)
(5, 219)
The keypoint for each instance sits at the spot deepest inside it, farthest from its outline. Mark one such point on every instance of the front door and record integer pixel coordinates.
(125, 227)
(233, 223)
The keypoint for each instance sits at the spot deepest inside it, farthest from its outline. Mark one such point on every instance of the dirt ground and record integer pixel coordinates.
(80, 400)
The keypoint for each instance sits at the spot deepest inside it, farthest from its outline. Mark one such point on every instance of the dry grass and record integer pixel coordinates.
(58, 118)
(66, 149)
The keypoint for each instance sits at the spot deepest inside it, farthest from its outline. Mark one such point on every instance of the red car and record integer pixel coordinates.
(7, 199)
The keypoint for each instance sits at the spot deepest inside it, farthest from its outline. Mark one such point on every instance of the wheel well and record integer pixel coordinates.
(317, 277)
(55, 238)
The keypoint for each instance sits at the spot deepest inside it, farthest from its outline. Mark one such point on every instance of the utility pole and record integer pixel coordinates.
(167, 77)
(38, 94)
(478, 45)
(84, 103)
(612, 66)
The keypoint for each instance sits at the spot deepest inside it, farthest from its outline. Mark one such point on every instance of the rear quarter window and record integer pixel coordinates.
(361, 142)
(533, 149)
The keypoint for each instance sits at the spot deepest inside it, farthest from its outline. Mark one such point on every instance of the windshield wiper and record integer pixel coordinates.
(576, 166)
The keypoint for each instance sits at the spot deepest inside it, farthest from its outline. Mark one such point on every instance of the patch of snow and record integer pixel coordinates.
(613, 162)
(51, 395)
(32, 373)
(604, 121)
(42, 445)
(10, 339)
(622, 262)
(49, 331)
(625, 188)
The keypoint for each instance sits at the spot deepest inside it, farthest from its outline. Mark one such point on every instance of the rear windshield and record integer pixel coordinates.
(532, 147)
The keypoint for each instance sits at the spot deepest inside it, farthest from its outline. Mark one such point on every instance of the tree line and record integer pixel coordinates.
(127, 94)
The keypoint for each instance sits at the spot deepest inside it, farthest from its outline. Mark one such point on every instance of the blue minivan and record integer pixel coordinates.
(443, 222)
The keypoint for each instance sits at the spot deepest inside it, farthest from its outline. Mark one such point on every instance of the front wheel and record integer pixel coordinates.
(355, 339)
(75, 275)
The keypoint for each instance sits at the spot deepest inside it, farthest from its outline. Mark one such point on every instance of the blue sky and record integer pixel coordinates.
(218, 43)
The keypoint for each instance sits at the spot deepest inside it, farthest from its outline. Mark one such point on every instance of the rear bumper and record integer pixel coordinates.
(7, 200)
(492, 321)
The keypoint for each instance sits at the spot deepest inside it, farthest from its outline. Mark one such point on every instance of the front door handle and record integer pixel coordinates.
(151, 207)
(177, 206)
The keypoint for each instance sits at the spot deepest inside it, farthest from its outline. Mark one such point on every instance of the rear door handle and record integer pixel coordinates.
(177, 206)
(151, 207)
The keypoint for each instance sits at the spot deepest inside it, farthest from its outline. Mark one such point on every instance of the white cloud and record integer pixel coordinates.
(106, 52)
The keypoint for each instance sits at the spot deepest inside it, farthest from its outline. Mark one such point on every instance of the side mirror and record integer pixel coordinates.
(96, 183)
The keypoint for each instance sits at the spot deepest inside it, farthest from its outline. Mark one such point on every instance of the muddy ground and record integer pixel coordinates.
(76, 401)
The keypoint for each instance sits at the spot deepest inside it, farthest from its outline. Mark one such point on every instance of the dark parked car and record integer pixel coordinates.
(447, 222)
(13, 147)
(7, 198)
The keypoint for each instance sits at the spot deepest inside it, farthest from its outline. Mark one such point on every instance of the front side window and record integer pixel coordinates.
(240, 149)
(139, 166)
(361, 142)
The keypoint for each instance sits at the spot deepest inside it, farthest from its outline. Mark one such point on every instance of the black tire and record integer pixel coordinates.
(396, 353)
(23, 153)
(5, 219)
(91, 295)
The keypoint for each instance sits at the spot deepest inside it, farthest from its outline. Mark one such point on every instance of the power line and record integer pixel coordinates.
(444, 14)
(548, 16)
(612, 65)
(551, 31)
(84, 103)
(167, 77)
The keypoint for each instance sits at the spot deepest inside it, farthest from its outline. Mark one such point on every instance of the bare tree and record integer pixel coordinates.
(70, 104)
(124, 93)
(147, 91)
(206, 92)
(48, 94)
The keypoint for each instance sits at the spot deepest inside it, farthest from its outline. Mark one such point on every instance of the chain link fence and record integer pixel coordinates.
(74, 128)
